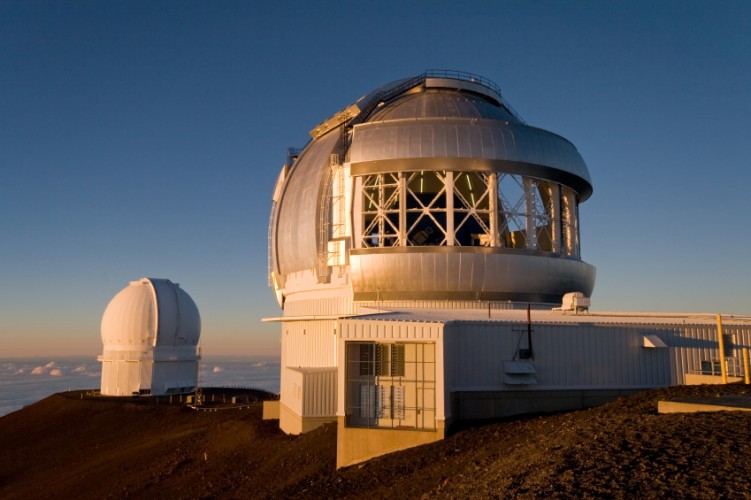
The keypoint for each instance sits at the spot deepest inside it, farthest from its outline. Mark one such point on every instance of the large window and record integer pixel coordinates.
(445, 208)
(390, 385)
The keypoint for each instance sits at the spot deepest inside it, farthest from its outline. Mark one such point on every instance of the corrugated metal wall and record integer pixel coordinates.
(582, 355)
(310, 393)
(389, 330)
(319, 394)
(320, 306)
(309, 343)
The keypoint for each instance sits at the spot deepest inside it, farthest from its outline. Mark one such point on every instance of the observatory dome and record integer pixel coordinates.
(151, 312)
(150, 331)
(431, 188)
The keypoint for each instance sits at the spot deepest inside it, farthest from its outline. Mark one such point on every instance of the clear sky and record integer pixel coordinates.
(144, 138)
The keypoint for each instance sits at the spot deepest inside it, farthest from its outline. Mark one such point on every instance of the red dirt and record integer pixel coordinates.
(69, 445)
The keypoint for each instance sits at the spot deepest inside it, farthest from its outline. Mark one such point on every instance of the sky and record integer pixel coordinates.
(144, 139)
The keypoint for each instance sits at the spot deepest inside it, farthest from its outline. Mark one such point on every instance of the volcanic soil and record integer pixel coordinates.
(72, 445)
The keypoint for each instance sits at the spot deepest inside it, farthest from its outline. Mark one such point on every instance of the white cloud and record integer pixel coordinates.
(51, 364)
(217, 369)
(260, 364)
(39, 370)
(56, 373)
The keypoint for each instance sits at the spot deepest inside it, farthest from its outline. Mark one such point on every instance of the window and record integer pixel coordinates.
(446, 208)
(390, 385)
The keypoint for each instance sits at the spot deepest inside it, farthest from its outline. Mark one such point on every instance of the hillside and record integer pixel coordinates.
(70, 445)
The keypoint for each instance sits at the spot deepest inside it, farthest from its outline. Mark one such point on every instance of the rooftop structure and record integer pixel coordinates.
(431, 188)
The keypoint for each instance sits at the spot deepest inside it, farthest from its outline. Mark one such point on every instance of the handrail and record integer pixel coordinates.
(386, 95)
(472, 77)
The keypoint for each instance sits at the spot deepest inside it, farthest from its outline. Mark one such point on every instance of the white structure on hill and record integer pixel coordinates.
(150, 332)
(408, 241)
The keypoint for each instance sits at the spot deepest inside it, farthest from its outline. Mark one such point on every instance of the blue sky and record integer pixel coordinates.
(144, 138)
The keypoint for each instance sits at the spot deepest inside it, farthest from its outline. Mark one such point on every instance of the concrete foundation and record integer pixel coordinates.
(701, 379)
(355, 445)
(271, 410)
(496, 404)
(725, 403)
(292, 423)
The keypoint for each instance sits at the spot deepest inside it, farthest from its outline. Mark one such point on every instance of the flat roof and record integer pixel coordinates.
(549, 316)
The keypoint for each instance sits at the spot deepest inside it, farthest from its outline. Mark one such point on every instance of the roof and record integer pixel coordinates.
(448, 316)
(150, 312)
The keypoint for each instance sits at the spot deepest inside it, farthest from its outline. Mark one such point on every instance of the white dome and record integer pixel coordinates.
(150, 312)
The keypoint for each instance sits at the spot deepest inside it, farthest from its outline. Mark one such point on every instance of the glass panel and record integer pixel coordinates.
(512, 216)
(390, 385)
(471, 209)
(426, 209)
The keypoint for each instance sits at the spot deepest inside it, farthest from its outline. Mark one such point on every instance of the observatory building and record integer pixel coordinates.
(150, 332)
(424, 247)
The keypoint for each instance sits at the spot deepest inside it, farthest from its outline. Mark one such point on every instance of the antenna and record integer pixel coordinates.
(199, 391)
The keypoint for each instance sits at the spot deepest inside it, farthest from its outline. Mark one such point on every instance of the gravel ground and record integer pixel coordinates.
(73, 446)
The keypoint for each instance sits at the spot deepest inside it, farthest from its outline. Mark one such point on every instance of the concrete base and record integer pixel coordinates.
(700, 379)
(355, 445)
(271, 410)
(495, 404)
(724, 403)
(292, 423)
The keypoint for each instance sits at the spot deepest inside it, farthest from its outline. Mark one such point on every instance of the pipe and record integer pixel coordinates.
(721, 341)
(746, 374)
(529, 331)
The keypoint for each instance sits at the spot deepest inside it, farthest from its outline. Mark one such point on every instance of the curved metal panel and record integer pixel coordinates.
(483, 141)
(179, 320)
(297, 225)
(441, 104)
(130, 319)
(458, 274)
(150, 312)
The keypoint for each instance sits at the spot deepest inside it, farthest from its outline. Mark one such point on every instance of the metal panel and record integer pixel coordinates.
(584, 356)
(319, 392)
(438, 104)
(362, 329)
(489, 144)
(297, 224)
(309, 343)
(466, 273)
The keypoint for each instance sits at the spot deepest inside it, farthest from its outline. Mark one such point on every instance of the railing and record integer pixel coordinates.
(712, 367)
(471, 77)
(386, 95)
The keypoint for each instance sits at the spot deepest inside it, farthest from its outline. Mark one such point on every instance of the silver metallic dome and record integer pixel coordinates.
(431, 188)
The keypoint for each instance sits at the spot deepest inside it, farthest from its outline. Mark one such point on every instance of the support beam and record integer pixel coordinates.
(402, 209)
(495, 236)
(529, 210)
(554, 191)
(450, 233)
(721, 341)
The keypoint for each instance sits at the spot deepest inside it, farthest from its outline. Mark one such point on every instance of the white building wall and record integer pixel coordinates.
(309, 343)
(121, 377)
(291, 390)
(580, 356)
(319, 397)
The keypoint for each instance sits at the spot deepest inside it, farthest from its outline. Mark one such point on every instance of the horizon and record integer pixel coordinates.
(145, 138)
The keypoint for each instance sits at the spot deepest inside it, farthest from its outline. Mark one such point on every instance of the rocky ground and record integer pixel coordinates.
(74, 446)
